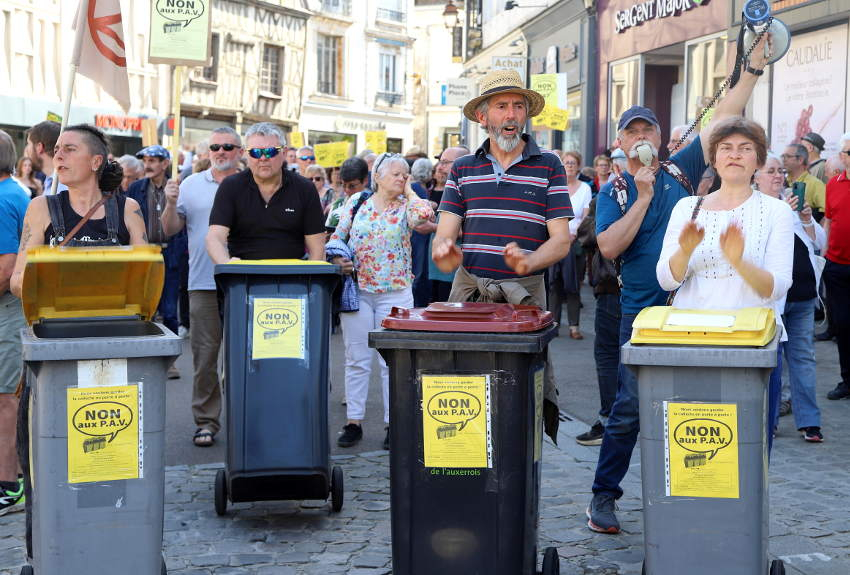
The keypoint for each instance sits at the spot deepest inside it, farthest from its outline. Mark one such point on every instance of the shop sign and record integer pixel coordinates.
(509, 63)
(348, 125)
(456, 92)
(121, 123)
(642, 12)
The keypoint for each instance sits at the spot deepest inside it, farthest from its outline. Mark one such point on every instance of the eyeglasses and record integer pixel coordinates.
(225, 147)
(317, 179)
(786, 156)
(775, 171)
(267, 153)
(307, 158)
(845, 152)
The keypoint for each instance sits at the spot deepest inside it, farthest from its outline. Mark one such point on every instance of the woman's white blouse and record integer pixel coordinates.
(710, 281)
(580, 201)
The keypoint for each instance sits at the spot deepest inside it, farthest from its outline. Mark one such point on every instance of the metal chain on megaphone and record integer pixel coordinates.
(740, 60)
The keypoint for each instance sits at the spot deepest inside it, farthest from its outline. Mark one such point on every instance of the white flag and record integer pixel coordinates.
(102, 56)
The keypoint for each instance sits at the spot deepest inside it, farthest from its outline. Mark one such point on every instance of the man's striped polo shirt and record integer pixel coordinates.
(499, 207)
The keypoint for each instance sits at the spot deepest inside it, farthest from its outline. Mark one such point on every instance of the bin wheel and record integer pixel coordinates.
(337, 492)
(220, 493)
(777, 567)
(27, 570)
(551, 562)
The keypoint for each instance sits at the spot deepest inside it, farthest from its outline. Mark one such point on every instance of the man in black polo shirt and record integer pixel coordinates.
(266, 211)
(510, 201)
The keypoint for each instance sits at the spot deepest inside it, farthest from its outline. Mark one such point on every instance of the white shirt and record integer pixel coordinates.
(194, 204)
(710, 281)
(580, 201)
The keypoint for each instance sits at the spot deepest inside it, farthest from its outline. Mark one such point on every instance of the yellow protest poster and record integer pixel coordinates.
(296, 139)
(701, 444)
(331, 154)
(456, 421)
(547, 86)
(377, 141)
(278, 328)
(53, 117)
(103, 433)
(538, 414)
(180, 32)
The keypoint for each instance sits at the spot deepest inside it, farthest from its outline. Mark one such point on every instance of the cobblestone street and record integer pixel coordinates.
(809, 526)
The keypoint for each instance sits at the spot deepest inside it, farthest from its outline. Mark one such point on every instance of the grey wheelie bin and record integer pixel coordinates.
(703, 380)
(96, 366)
(466, 430)
(277, 320)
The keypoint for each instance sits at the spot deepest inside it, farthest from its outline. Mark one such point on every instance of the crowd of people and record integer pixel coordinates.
(724, 223)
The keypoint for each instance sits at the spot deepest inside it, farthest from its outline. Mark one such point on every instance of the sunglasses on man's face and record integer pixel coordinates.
(267, 153)
(225, 147)
(307, 158)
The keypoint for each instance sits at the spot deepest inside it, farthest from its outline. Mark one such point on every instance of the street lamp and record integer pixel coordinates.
(450, 16)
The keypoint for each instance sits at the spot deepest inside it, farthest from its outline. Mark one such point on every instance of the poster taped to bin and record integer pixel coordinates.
(104, 442)
(456, 421)
(701, 449)
(538, 415)
(278, 328)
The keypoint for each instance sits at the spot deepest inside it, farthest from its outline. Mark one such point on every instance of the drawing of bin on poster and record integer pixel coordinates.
(277, 320)
(96, 366)
(466, 432)
(703, 379)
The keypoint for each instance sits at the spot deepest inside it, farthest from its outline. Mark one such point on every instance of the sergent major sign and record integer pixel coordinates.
(642, 12)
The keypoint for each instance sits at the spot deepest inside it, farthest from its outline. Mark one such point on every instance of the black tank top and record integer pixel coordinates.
(108, 231)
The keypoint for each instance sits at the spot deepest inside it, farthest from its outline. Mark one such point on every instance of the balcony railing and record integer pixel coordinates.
(391, 15)
(389, 98)
(337, 7)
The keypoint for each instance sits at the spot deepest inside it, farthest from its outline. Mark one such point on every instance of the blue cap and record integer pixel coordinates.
(154, 152)
(637, 113)
(618, 154)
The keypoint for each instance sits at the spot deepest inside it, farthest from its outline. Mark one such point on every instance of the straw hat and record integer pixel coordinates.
(504, 82)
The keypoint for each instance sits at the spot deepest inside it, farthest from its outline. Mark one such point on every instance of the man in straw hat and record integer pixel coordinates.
(510, 201)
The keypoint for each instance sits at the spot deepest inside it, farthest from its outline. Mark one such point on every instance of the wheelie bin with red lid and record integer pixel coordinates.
(466, 431)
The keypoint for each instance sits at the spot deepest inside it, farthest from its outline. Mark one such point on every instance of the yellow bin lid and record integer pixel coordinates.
(124, 281)
(752, 326)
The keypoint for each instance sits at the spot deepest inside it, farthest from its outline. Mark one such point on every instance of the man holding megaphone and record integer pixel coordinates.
(631, 217)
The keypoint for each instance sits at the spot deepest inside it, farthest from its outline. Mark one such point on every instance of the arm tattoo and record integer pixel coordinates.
(138, 212)
(26, 234)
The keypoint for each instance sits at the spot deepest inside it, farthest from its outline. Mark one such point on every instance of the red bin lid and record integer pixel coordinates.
(469, 317)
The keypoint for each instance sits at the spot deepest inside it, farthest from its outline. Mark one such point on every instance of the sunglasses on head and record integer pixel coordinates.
(267, 153)
(225, 147)
(306, 158)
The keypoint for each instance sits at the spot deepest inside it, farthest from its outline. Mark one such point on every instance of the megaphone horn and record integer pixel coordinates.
(756, 17)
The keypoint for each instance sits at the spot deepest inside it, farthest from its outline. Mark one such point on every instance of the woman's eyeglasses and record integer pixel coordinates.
(267, 153)
(225, 147)
(845, 152)
(775, 171)
(317, 179)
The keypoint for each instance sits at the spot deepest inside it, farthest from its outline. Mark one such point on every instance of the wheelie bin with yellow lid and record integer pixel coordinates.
(96, 366)
(703, 379)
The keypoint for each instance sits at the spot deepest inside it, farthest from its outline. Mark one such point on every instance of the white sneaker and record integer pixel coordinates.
(183, 332)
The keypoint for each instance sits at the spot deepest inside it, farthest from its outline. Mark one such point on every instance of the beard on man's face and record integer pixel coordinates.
(506, 142)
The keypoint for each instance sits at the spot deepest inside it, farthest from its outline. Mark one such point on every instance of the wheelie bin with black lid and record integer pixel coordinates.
(96, 366)
(277, 319)
(702, 380)
(466, 431)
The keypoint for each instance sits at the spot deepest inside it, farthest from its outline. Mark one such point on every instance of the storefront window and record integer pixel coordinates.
(624, 88)
(706, 70)
(318, 137)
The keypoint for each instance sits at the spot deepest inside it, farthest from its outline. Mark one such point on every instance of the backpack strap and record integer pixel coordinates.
(57, 220)
(364, 195)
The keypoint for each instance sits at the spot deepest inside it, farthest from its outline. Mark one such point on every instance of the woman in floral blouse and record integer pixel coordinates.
(379, 238)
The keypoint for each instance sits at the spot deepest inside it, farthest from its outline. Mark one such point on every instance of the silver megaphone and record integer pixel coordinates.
(757, 16)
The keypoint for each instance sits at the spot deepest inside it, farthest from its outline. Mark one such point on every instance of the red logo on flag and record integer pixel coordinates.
(103, 25)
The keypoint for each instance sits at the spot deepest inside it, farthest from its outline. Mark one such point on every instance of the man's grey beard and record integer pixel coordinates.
(506, 143)
(224, 165)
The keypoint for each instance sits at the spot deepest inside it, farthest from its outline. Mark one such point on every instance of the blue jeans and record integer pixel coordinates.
(800, 355)
(622, 429)
(606, 351)
(171, 286)
(774, 392)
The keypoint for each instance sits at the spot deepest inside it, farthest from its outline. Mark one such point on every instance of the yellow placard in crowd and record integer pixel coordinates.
(547, 86)
(278, 328)
(456, 421)
(554, 118)
(103, 433)
(377, 141)
(701, 442)
(331, 154)
(296, 139)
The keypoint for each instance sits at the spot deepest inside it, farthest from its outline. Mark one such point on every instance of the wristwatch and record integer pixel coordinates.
(753, 71)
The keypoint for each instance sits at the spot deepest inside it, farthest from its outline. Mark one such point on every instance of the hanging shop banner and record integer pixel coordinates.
(104, 442)
(456, 421)
(377, 141)
(180, 32)
(810, 89)
(701, 449)
(278, 328)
